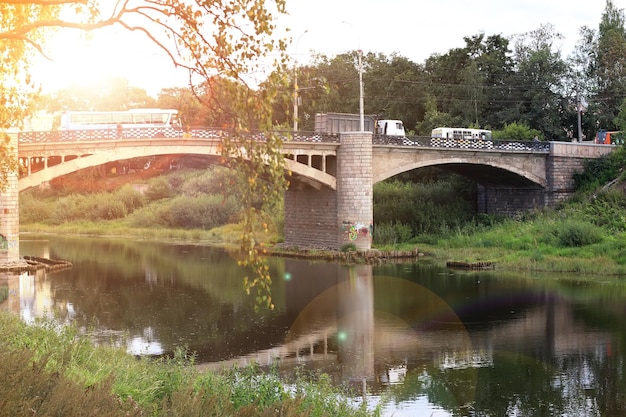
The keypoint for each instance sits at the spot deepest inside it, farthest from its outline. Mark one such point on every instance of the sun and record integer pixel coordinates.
(86, 59)
(72, 57)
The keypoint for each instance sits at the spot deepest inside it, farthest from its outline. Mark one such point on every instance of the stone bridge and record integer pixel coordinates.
(330, 199)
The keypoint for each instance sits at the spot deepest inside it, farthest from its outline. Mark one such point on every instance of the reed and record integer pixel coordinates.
(51, 369)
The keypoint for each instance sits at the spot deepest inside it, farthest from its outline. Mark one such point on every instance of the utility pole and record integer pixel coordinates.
(579, 117)
(360, 54)
(361, 116)
(295, 85)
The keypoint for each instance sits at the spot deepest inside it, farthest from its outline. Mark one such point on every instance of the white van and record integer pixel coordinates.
(390, 127)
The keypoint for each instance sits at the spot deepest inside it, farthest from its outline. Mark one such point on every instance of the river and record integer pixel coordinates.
(422, 339)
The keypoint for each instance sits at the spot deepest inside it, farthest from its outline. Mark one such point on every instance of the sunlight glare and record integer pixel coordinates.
(85, 60)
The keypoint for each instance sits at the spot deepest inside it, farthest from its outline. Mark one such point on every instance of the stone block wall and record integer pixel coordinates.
(563, 162)
(311, 218)
(560, 174)
(509, 201)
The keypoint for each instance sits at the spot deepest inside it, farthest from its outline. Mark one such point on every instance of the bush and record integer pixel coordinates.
(600, 171)
(516, 131)
(348, 247)
(392, 233)
(68, 209)
(131, 198)
(433, 207)
(576, 234)
(608, 210)
(158, 189)
(103, 207)
(34, 211)
(92, 207)
(205, 212)
(212, 181)
(152, 215)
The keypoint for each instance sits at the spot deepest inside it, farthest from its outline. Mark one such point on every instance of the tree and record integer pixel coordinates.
(495, 67)
(394, 88)
(340, 74)
(191, 111)
(539, 76)
(471, 84)
(609, 71)
(434, 118)
(446, 84)
(579, 83)
(229, 39)
(15, 84)
(620, 119)
(516, 131)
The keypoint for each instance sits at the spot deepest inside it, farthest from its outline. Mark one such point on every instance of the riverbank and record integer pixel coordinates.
(371, 256)
(226, 237)
(515, 244)
(585, 235)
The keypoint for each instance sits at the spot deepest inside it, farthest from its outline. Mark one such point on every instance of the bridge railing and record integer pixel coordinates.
(99, 134)
(115, 133)
(308, 137)
(428, 142)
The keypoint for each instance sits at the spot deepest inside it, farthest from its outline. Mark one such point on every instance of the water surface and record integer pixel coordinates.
(428, 340)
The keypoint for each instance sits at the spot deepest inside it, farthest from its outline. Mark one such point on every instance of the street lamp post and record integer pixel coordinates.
(360, 55)
(295, 86)
(361, 116)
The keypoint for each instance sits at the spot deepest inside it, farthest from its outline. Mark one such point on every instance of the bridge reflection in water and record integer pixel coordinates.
(371, 331)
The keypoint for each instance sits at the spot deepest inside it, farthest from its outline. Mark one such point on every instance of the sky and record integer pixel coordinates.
(415, 29)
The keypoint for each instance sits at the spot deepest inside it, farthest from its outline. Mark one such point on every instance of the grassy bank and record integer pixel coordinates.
(49, 370)
(542, 243)
(223, 235)
(523, 247)
(573, 239)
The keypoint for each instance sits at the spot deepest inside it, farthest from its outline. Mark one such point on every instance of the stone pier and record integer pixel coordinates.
(355, 204)
(10, 215)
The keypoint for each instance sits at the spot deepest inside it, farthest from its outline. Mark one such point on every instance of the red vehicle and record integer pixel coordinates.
(609, 138)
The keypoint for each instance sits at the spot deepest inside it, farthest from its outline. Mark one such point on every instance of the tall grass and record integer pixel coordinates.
(546, 242)
(48, 369)
(192, 200)
(433, 207)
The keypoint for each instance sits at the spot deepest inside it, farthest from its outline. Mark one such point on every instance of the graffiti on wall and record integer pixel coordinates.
(6, 244)
(353, 230)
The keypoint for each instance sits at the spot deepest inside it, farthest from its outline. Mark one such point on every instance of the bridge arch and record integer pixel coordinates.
(300, 172)
(456, 165)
